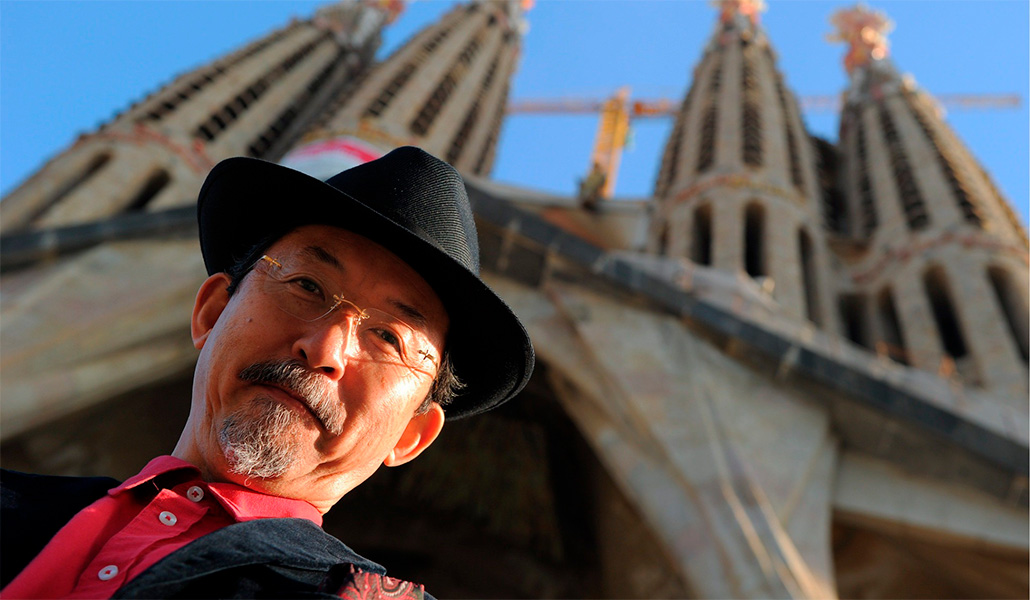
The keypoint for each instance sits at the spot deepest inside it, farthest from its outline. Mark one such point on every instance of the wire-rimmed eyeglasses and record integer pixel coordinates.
(300, 288)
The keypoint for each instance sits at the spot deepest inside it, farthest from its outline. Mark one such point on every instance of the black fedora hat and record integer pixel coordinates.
(409, 202)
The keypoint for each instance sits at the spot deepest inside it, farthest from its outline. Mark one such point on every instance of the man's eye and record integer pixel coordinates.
(388, 337)
(307, 285)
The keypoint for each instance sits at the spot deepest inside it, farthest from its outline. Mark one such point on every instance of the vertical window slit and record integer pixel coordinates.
(754, 240)
(793, 151)
(751, 116)
(853, 316)
(706, 151)
(701, 246)
(867, 204)
(944, 315)
(893, 338)
(808, 276)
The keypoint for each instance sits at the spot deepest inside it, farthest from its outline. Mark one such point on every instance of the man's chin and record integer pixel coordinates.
(261, 440)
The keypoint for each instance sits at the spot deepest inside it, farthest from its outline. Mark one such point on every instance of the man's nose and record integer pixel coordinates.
(327, 344)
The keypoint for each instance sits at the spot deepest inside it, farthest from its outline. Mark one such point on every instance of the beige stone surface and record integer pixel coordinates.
(111, 319)
(682, 429)
(888, 499)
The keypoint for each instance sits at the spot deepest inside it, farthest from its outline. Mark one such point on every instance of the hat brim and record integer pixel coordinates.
(246, 200)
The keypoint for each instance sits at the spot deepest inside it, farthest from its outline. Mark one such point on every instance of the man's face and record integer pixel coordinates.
(304, 407)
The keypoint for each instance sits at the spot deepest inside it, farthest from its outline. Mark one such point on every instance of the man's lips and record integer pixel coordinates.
(296, 398)
(292, 380)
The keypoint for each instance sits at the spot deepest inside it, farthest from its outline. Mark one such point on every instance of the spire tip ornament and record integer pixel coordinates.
(864, 30)
(729, 9)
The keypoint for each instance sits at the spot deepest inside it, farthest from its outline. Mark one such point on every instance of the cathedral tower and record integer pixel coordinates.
(253, 101)
(938, 267)
(445, 90)
(257, 101)
(738, 187)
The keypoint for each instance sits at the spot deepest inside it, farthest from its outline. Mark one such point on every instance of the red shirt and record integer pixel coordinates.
(160, 510)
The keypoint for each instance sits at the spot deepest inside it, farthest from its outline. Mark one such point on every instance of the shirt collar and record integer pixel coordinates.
(243, 504)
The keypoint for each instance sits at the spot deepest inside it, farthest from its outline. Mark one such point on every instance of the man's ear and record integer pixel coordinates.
(418, 435)
(212, 299)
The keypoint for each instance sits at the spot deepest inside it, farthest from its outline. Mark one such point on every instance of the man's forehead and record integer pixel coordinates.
(325, 237)
(331, 246)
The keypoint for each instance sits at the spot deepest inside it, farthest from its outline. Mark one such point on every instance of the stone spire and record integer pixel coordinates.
(939, 280)
(254, 101)
(738, 188)
(445, 90)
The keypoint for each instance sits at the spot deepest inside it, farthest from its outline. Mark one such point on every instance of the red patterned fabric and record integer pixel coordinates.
(362, 585)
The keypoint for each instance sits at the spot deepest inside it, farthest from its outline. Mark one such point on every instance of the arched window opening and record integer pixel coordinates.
(701, 244)
(944, 314)
(1013, 306)
(808, 277)
(754, 240)
(155, 183)
(853, 316)
(893, 339)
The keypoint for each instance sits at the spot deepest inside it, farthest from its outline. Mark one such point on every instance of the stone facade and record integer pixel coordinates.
(907, 250)
(738, 189)
(941, 277)
(757, 393)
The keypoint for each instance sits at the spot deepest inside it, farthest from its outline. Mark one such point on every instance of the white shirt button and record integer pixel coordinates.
(167, 518)
(195, 493)
(107, 572)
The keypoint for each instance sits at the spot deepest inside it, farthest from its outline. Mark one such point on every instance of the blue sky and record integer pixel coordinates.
(66, 67)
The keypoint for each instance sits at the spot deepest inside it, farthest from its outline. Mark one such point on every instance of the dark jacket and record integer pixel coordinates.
(264, 558)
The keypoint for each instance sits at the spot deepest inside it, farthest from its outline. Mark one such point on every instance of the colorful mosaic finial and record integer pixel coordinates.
(864, 30)
(729, 9)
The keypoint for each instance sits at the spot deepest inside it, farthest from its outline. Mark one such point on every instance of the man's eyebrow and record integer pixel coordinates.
(410, 312)
(321, 254)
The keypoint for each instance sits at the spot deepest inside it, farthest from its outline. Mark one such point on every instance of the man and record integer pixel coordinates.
(342, 322)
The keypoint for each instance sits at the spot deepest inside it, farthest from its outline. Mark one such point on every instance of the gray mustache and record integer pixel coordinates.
(293, 376)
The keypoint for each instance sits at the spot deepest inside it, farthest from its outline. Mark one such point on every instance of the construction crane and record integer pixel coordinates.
(616, 111)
